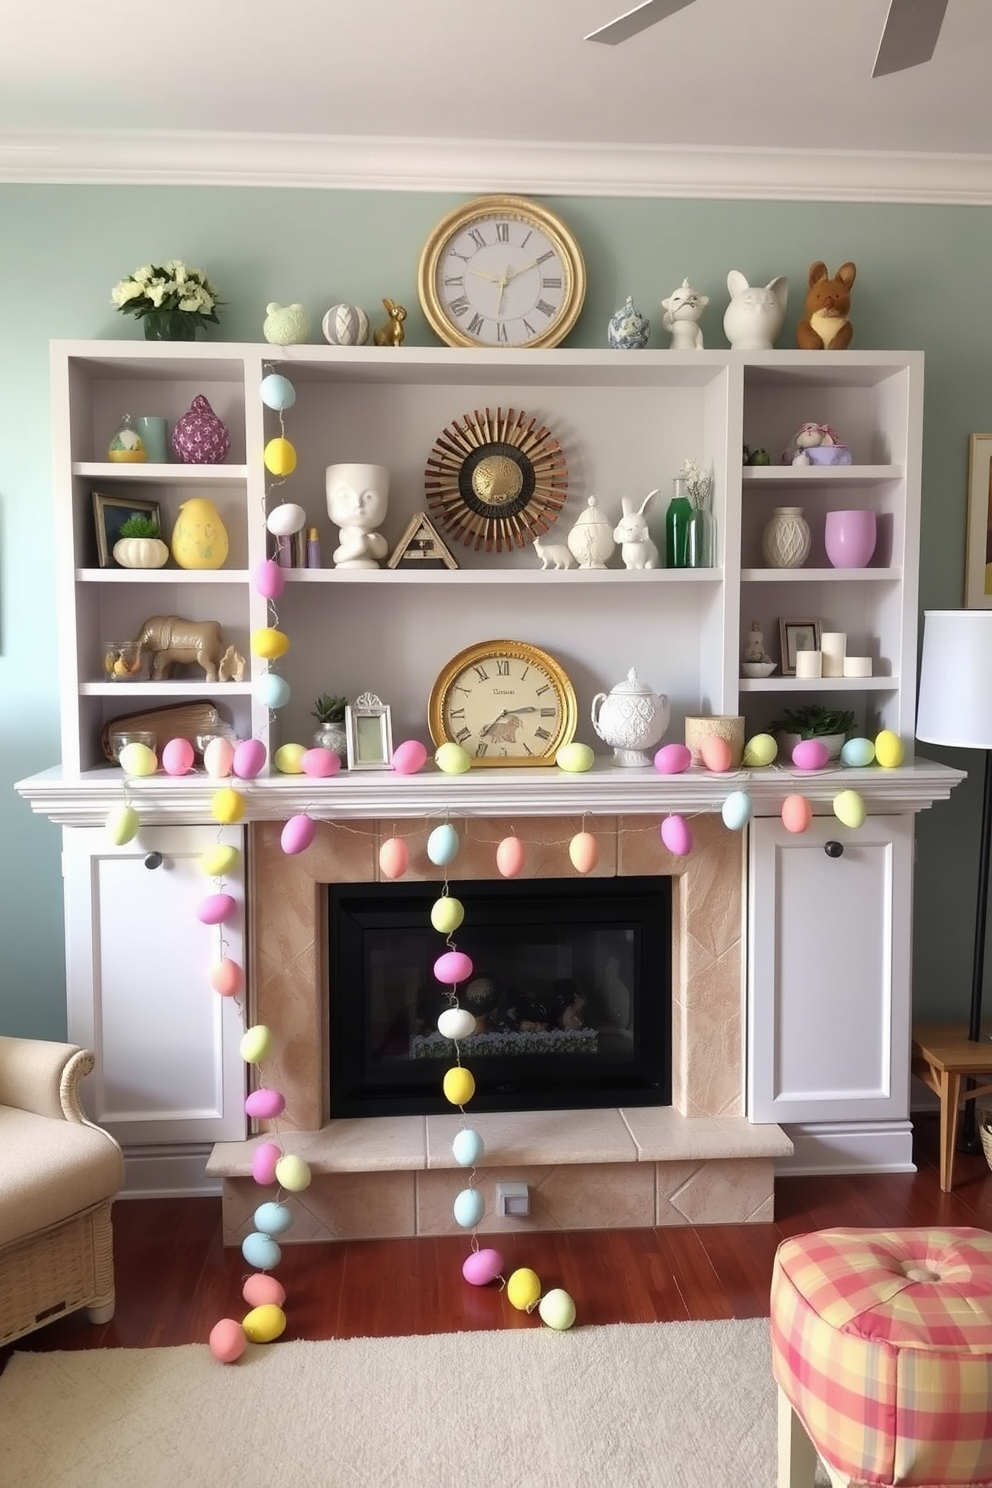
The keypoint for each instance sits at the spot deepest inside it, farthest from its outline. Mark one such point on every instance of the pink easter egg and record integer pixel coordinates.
(583, 850)
(298, 833)
(265, 1104)
(810, 754)
(715, 754)
(676, 836)
(672, 759)
(261, 1290)
(482, 1267)
(263, 1164)
(797, 813)
(216, 909)
(320, 763)
(452, 967)
(270, 579)
(218, 758)
(249, 758)
(510, 856)
(227, 978)
(394, 857)
(177, 757)
(228, 1341)
(409, 757)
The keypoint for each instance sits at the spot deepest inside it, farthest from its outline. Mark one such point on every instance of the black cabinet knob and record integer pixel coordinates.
(833, 849)
(153, 860)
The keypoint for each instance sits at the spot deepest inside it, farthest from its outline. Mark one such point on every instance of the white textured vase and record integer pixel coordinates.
(785, 542)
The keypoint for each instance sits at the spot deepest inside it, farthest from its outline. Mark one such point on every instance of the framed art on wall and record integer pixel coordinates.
(978, 550)
(797, 635)
(109, 515)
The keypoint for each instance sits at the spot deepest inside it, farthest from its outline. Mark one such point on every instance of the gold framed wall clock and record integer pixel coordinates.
(501, 271)
(505, 702)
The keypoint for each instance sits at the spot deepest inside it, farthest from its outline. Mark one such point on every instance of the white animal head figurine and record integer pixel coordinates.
(683, 308)
(753, 320)
(636, 547)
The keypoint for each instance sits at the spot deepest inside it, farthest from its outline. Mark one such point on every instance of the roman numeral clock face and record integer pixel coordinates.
(501, 271)
(505, 702)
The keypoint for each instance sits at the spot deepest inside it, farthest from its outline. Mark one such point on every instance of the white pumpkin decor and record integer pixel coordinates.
(141, 552)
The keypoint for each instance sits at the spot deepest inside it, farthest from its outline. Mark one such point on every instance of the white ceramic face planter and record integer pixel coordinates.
(357, 501)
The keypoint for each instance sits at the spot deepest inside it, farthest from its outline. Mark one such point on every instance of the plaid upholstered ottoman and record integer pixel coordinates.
(882, 1352)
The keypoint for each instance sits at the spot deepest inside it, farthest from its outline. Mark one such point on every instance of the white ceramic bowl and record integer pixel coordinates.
(758, 668)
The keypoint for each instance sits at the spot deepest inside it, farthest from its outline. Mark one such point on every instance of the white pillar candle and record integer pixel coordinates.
(809, 663)
(833, 644)
(857, 666)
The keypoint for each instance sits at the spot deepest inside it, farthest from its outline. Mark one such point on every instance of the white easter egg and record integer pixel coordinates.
(218, 758)
(285, 518)
(456, 1023)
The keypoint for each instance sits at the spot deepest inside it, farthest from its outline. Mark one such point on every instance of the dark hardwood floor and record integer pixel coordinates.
(175, 1279)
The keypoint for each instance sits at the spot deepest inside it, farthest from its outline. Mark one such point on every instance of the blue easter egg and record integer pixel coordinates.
(273, 1219)
(271, 690)
(277, 392)
(467, 1148)
(469, 1207)
(736, 810)
(443, 844)
(857, 753)
(260, 1251)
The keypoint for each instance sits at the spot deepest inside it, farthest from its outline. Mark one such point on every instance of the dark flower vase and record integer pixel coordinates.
(170, 325)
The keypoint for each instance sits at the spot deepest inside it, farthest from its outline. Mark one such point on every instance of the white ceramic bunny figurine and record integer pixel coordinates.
(753, 320)
(636, 547)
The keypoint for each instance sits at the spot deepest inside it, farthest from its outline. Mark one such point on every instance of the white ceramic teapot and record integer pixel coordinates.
(630, 718)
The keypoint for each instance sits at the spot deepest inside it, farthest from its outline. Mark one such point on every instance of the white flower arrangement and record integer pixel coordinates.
(698, 483)
(171, 286)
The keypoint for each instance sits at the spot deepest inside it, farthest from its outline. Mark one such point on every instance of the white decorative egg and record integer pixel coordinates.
(285, 518)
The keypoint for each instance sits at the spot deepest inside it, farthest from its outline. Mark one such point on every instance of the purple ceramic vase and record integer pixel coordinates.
(849, 538)
(200, 437)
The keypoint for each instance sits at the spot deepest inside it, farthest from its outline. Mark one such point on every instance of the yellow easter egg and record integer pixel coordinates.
(849, 808)
(888, 750)
(288, 758)
(199, 538)
(122, 825)
(293, 1173)
(265, 1323)
(280, 457)
(453, 759)
(255, 1043)
(523, 1288)
(557, 1309)
(220, 860)
(459, 1085)
(138, 759)
(575, 758)
(447, 914)
(760, 751)
(269, 643)
(228, 806)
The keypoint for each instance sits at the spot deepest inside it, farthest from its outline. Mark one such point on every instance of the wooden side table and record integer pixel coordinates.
(943, 1056)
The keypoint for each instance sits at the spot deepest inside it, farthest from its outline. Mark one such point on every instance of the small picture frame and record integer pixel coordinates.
(369, 730)
(978, 548)
(109, 515)
(797, 635)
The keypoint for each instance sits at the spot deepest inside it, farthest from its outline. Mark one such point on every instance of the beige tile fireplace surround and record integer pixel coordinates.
(698, 1161)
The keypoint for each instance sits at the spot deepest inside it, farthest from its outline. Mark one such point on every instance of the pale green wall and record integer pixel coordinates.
(922, 283)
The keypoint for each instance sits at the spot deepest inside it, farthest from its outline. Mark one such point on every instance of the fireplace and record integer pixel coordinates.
(571, 989)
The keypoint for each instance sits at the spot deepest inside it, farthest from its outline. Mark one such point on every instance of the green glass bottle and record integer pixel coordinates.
(677, 526)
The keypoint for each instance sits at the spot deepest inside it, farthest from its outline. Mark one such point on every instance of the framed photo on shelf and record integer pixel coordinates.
(797, 635)
(109, 515)
(978, 549)
(369, 730)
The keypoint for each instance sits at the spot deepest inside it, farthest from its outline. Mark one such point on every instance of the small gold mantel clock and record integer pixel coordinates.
(501, 271)
(505, 702)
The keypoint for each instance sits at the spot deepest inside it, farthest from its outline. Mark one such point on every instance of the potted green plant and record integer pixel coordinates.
(813, 721)
(140, 544)
(330, 732)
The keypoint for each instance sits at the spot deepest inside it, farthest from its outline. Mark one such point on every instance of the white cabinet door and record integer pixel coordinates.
(138, 965)
(829, 971)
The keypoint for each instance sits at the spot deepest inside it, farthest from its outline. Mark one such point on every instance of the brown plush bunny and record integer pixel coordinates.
(825, 326)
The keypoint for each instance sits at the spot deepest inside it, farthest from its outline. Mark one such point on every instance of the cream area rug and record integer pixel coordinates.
(648, 1405)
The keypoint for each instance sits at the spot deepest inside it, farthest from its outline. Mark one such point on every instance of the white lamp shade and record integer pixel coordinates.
(955, 701)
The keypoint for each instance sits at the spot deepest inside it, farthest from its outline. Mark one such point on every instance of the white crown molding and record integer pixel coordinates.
(381, 163)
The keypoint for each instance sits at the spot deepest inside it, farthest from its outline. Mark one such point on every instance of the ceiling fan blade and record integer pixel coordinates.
(909, 35)
(639, 19)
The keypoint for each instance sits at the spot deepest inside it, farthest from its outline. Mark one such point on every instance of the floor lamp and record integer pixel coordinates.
(955, 708)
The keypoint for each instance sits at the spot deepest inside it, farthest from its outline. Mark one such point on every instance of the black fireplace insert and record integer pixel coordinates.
(570, 986)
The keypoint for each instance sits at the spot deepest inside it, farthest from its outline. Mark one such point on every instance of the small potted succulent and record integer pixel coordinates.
(832, 725)
(140, 544)
(330, 732)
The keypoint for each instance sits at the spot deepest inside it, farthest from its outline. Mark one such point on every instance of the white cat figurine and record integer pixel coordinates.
(683, 308)
(754, 318)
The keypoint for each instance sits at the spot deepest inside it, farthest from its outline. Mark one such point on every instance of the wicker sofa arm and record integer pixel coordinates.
(43, 1077)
